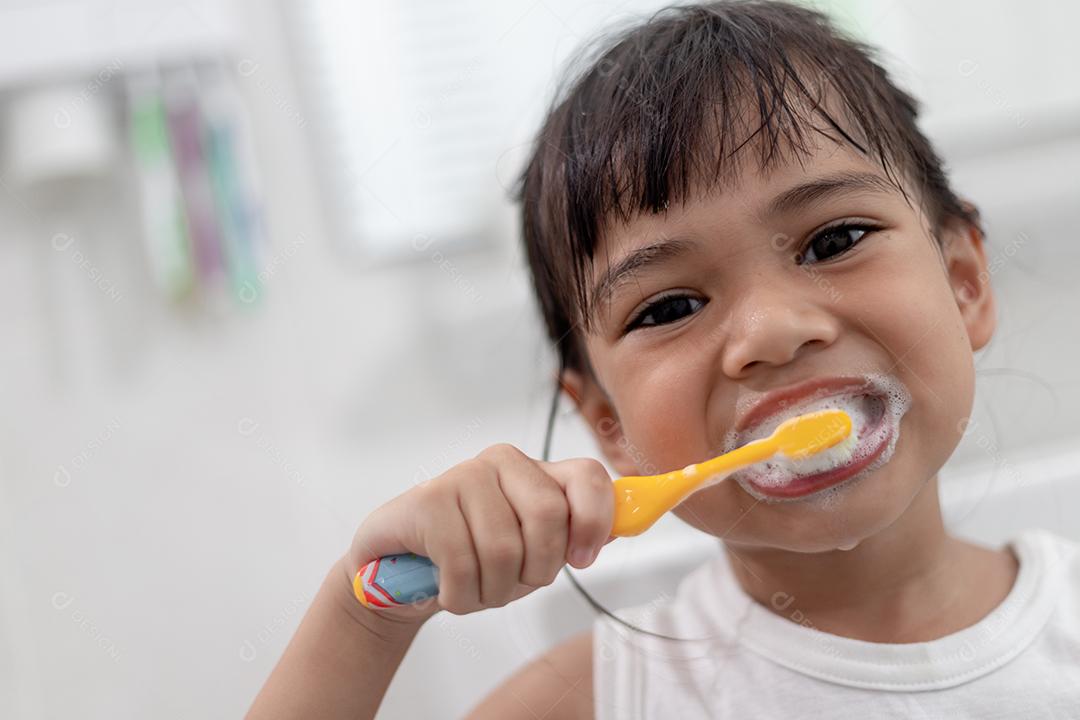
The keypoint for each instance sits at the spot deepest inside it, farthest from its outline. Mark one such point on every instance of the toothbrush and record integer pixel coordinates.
(640, 500)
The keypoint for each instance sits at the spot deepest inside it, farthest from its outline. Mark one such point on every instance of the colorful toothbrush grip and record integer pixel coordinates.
(395, 580)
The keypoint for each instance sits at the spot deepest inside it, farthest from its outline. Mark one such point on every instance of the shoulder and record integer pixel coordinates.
(555, 686)
(1058, 552)
(1049, 572)
(1051, 550)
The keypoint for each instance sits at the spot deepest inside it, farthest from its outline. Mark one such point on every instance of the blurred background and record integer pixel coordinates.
(259, 272)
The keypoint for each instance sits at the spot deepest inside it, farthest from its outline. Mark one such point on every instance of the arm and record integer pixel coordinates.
(340, 661)
(498, 527)
(556, 686)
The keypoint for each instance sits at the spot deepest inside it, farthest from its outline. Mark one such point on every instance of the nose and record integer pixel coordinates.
(773, 329)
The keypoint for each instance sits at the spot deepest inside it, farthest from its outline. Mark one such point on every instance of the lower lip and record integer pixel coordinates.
(808, 484)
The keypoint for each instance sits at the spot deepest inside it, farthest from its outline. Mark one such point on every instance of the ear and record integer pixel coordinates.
(598, 412)
(964, 255)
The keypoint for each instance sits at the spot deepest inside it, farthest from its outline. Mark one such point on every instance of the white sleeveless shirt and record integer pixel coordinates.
(1020, 661)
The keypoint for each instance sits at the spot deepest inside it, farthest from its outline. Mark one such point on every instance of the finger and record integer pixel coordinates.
(541, 509)
(591, 498)
(448, 542)
(496, 536)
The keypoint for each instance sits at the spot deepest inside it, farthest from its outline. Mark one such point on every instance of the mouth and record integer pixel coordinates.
(875, 405)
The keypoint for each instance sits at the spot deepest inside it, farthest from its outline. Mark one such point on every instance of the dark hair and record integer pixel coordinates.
(673, 103)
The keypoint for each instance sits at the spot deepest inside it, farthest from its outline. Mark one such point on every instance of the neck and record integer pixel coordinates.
(911, 582)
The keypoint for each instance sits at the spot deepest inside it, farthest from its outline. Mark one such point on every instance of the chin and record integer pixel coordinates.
(838, 517)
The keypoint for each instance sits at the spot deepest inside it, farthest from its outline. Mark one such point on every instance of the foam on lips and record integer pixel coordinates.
(875, 410)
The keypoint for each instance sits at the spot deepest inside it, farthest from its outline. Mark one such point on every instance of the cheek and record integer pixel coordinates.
(939, 370)
(662, 399)
(913, 317)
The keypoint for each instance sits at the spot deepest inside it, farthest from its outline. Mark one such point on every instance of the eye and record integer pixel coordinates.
(833, 242)
(666, 310)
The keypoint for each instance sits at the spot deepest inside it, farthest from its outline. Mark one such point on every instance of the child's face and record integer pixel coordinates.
(752, 319)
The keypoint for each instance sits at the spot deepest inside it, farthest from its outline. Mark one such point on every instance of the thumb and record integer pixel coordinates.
(389, 530)
(404, 587)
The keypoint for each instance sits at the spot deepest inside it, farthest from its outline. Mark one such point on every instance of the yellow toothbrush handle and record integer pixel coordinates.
(641, 500)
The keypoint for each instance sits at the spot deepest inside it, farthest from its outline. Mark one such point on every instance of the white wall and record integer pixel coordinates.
(174, 486)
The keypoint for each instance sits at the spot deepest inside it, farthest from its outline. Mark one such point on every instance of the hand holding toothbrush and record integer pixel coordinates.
(502, 525)
(497, 527)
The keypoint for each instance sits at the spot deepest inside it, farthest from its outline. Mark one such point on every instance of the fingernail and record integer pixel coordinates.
(581, 557)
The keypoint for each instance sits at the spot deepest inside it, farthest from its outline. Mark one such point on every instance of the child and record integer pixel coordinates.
(731, 217)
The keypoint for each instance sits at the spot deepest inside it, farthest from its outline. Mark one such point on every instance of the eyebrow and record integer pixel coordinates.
(823, 188)
(655, 253)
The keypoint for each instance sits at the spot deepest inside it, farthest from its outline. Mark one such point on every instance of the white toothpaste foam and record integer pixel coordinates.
(884, 396)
